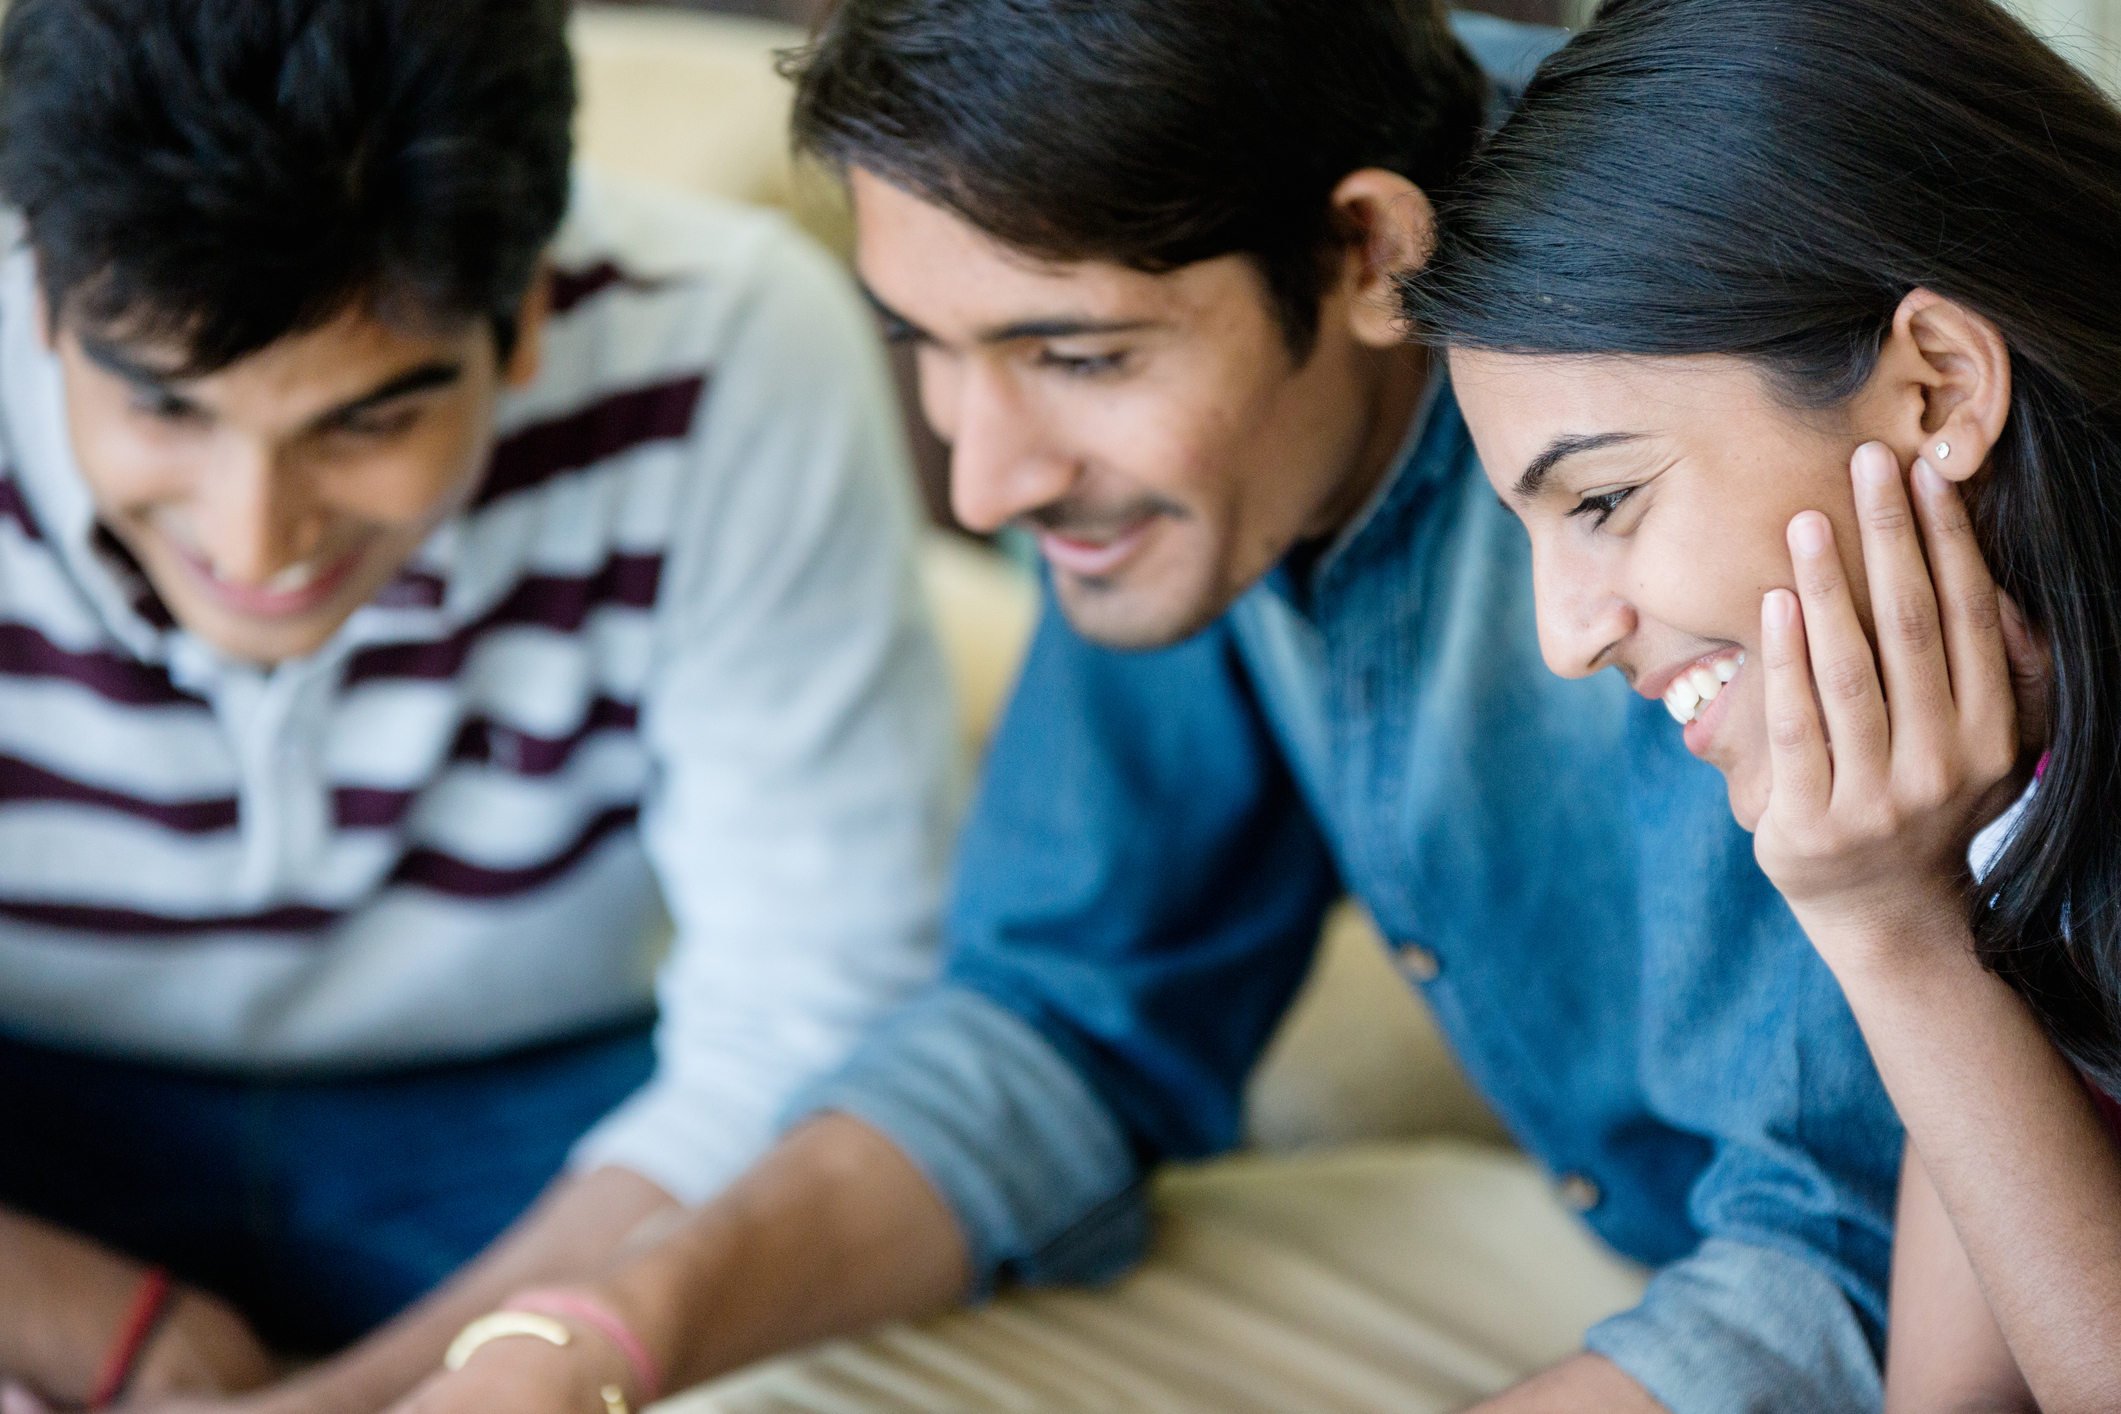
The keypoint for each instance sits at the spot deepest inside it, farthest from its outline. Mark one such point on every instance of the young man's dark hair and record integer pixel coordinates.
(1147, 133)
(300, 158)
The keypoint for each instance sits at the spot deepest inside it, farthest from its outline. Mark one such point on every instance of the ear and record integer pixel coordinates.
(1390, 229)
(529, 353)
(1946, 372)
(47, 327)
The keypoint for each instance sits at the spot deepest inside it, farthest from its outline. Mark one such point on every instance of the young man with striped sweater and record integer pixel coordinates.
(419, 567)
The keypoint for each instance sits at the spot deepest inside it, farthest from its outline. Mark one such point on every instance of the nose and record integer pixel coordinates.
(1000, 468)
(255, 518)
(1582, 616)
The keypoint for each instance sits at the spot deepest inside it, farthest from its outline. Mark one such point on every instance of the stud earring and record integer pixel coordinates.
(1944, 451)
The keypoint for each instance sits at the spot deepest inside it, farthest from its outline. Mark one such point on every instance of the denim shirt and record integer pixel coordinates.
(1140, 890)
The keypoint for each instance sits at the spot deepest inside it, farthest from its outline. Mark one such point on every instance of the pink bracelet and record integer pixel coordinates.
(552, 1301)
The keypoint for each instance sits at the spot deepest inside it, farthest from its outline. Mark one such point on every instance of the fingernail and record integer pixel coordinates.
(1927, 481)
(1875, 465)
(1808, 533)
(1779, 609)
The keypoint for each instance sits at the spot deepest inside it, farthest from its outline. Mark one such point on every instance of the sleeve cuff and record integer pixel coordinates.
(1038, 1173)
(687, 1143)
(1738, 1329)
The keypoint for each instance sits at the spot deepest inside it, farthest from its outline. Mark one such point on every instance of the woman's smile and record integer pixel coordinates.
(1694, 469)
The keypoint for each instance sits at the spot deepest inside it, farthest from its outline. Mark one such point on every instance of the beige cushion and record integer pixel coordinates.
(985, 611)
(1407, 1279)
(692, 100)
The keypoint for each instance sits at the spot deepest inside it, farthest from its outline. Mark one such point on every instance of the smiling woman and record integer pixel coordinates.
(1726, 253)
(1723, 271)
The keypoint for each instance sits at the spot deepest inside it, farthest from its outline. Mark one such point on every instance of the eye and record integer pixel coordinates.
(1082, 366)
(1601, 506)
(167, 407)
(380, 424)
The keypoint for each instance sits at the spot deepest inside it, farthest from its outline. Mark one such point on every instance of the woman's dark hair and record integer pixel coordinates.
(222, 173)
(1149, 133)
(1769, 179)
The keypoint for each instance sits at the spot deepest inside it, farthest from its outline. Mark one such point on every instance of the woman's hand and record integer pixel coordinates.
(1871, 809)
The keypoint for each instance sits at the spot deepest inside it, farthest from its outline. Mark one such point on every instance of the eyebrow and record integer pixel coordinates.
(898, 326)
(439, 373)
(116, 362)
(1567, 445)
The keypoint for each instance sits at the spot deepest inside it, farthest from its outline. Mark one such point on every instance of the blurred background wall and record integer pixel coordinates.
(2089, 31)
(1550, 12)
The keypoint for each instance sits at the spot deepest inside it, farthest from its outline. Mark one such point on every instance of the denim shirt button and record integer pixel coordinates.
(1418, 964)
(1577, 1193)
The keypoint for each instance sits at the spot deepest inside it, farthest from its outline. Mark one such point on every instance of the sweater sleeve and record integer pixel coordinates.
(800, 725)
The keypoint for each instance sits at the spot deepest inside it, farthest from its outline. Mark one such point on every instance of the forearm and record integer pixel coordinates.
(571, 1236)
(1585, 1384)
(833, 1232)
(2016, 1152)
(61, 1299)
(1945, 1354)
(64, 1300)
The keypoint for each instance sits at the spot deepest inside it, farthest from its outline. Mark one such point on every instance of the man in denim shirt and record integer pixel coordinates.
(1144, 252)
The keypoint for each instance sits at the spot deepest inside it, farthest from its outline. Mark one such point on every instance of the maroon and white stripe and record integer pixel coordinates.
(671, 650)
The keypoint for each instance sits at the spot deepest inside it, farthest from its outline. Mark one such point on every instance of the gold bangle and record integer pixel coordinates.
(499, 1324)
(614, 1400)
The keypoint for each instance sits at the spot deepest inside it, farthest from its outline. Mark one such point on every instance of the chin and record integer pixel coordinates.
(263, 646)
(1116, 614)
(1749, 799)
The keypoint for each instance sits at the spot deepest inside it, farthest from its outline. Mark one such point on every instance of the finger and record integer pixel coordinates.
(2032, 670)
(1801, 779)
(424, 1396)
(1904, 614)
(1843, 668)
(1971, 616)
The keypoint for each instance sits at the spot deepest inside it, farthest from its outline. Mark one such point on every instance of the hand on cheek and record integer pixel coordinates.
(1885, 763)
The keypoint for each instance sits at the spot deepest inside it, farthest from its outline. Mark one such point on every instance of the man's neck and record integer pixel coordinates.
(1401, 378)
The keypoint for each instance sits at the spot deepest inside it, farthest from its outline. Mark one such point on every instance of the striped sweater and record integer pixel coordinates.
(672, 656)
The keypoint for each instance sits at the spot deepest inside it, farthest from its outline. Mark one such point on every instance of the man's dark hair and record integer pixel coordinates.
(1149, 133)
(223, 173)
(1768, 180)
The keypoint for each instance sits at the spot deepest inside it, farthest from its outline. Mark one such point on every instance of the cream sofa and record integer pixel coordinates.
(1377, 1247)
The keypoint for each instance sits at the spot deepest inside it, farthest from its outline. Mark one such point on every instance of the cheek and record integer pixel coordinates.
(1150, 442)
(129, 463)
(413, 482)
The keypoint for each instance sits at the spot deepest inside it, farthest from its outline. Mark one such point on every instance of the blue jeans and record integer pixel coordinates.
(319, 1207)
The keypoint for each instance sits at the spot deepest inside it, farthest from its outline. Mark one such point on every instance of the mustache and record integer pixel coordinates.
(1072, 520)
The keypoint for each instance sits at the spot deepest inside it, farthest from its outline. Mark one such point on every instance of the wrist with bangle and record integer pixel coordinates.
(546, 1314)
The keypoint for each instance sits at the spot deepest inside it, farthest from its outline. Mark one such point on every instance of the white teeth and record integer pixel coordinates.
(292, 578)
(1682, 697)
(1693, 690)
